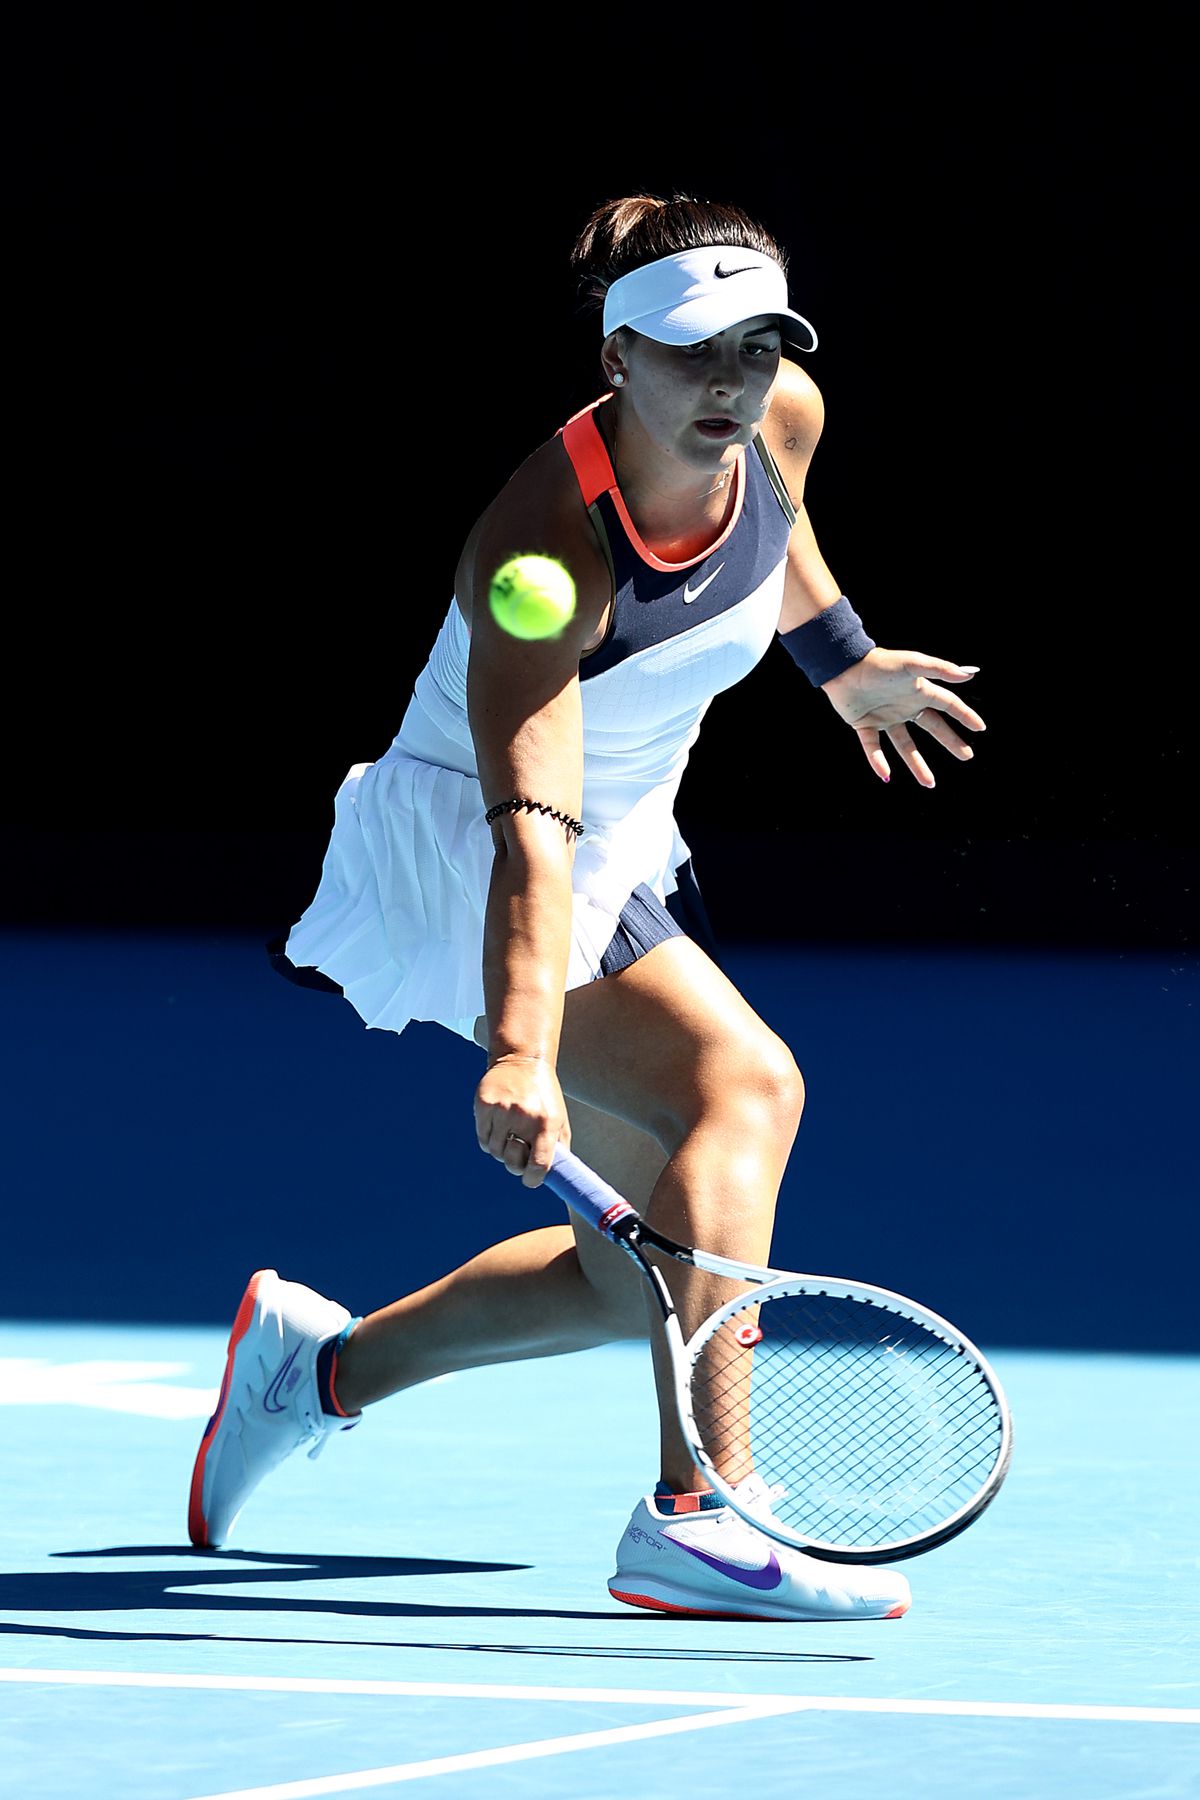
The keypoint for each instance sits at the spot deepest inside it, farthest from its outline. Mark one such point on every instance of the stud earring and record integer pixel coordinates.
(618, 380)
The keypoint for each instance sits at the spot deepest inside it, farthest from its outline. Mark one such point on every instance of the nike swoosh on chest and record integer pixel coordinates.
(691, 593)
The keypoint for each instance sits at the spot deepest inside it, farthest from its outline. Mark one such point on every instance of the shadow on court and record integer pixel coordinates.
(159, 1590)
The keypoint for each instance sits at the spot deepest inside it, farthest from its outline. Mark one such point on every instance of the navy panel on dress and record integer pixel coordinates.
(654, 605)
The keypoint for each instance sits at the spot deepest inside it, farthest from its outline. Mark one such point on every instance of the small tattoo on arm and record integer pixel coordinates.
(790, 443)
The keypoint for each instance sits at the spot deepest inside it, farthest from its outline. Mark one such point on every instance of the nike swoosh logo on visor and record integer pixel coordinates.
(724, 274)
(766, 1578)
(691, 593)
(271, 1397)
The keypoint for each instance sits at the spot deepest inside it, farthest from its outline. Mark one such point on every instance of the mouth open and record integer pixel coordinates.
(717, 428)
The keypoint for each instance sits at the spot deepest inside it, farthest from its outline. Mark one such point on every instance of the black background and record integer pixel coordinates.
(290, 300)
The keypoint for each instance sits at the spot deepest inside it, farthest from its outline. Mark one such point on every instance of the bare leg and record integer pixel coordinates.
(538, 1294)
(724, 1104)
(670, 1049)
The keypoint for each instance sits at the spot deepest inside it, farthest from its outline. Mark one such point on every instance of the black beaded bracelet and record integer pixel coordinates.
(572, 827)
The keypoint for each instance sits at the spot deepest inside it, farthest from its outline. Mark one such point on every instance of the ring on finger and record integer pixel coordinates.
(512, 1138)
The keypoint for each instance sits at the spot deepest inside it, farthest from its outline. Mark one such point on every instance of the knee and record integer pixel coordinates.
(751, 1086)
(769, 1088)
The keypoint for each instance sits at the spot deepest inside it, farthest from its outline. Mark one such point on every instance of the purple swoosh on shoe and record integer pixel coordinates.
(271, 1397)
(766, 1578)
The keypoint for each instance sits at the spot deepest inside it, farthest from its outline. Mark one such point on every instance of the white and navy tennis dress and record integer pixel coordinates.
(397, 919)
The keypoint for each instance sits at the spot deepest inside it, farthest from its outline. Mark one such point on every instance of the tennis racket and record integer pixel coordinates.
(879, 1430)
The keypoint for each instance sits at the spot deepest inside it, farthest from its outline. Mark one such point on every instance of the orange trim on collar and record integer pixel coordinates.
(594, 472)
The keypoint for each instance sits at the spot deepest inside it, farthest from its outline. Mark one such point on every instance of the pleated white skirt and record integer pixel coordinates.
(397, 918)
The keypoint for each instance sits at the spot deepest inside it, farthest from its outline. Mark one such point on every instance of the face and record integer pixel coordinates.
(698, 404)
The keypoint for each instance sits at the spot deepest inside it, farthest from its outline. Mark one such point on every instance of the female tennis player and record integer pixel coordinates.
(511, 868)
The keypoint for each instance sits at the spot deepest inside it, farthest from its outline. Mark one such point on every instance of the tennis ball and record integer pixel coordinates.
(532, 596)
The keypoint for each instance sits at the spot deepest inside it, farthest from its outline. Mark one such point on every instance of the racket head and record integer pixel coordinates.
(879, 1430)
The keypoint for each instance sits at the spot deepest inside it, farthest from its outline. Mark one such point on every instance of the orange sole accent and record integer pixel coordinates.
(197, 1523)
(688, 1612)
(692, 1612)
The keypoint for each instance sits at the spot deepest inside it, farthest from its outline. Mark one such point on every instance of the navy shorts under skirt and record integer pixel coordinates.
(644, 922)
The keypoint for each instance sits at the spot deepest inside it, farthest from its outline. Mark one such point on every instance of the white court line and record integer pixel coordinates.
(488, 1759)
(462, 1690)
(727, 1709)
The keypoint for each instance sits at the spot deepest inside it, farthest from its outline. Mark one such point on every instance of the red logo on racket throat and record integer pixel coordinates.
(620, 1209)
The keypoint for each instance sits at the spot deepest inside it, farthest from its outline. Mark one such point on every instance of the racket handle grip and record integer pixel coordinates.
(585, 1193)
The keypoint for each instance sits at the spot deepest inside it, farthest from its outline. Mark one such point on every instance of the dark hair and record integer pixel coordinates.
(623, 234)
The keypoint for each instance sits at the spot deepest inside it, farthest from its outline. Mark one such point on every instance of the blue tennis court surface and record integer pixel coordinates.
(426, 1601)
(410, 1603)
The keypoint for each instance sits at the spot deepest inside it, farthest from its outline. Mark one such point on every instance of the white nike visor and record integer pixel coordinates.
(685, 298)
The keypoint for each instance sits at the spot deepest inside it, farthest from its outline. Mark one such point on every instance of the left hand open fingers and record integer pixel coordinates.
(930, 720)
(910, 755)
(940, 700)
(868, 737)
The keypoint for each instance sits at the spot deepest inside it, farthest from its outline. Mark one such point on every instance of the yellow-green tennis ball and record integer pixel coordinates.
(532, 596)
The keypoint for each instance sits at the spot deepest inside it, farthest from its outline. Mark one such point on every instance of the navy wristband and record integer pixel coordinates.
(829, 644)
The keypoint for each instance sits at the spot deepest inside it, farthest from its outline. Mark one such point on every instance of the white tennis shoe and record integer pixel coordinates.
(268, 1405)
(713, 1563)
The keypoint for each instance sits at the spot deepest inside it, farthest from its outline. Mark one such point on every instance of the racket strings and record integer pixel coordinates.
(876, 1428)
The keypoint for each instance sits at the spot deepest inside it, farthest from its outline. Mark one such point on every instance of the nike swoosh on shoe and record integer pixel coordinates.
(765, 1579)
(271, 1397)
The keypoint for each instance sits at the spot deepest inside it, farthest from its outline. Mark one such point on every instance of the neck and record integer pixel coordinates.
(656, 486)
(677, 511)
